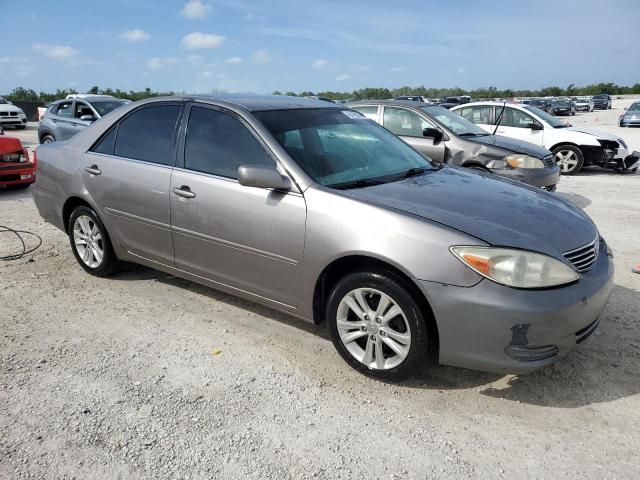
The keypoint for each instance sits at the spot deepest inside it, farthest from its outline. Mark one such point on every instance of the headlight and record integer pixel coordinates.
(516, 268)
(524, 161)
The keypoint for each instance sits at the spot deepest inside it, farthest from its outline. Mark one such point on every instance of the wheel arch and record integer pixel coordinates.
(70, 205)
(559, 144)
(342, 266)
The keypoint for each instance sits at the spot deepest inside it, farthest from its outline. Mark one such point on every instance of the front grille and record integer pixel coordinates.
(4, 114)
(586, 332)
(584, 257)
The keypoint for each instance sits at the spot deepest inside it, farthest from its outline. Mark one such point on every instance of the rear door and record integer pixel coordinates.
(63, 120)
(250, 239)
(128, 175)
(409, 125)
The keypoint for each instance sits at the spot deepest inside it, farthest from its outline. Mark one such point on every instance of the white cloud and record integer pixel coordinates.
(320, 63)
(158, 62)
(202, 40)
(233, 60)
(343, 77)
(195, 9)
(261, 56)
(361, 68)
(194, 58)
(249, 16)
(57, 52)
(13, 60)
(397, 69)
(460, 69)
(134, 36)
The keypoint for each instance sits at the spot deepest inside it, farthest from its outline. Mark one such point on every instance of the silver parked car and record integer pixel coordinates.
(65, 118)
(311, 209)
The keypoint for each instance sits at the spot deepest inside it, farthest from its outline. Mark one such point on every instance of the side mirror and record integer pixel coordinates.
(87, 118)
(262, 176)
(626, 108)
(432, 133)
(536, 126)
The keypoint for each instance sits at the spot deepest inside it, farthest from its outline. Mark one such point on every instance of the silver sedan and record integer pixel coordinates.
(312, 209)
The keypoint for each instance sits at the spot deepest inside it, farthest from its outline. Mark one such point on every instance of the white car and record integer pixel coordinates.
(10, 115)
(583, 104)
(572, 147)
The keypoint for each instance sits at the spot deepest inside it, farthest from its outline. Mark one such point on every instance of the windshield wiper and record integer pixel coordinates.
(361, 183)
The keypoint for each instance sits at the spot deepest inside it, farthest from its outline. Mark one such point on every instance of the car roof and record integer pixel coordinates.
(88, 98)
(397, 103)
(256, 103)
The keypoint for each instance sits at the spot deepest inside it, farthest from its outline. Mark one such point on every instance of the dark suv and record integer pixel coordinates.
(64, 118)
(602, 101)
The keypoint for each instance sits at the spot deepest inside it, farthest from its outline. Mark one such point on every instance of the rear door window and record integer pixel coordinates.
(369, 111)
(65, 109)
(148, 134)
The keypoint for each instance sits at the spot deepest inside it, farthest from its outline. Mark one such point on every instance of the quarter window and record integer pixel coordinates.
(147, 134)
(106, 143)
(403, 122)
(218, 144)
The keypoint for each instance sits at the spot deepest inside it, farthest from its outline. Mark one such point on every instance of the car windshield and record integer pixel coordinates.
(563, 103)
(550, 119)
(635, 107)
(601, 97)
(454, 122)
(341, 148)
(538, 102)
(105, 106)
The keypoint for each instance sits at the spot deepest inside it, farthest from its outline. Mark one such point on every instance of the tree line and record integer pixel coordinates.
(21, 94)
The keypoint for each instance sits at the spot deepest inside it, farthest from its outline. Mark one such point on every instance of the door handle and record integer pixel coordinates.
(93, 170)
(184, 192)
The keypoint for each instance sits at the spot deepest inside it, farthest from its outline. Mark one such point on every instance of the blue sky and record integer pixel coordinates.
(261, 46)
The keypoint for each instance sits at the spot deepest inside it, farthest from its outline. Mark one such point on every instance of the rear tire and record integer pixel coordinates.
(48, 138)
(387, 337)
(90, 243)
(569, 159)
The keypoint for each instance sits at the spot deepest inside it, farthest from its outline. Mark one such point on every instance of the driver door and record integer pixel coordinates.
(250, 239)
(517, 124)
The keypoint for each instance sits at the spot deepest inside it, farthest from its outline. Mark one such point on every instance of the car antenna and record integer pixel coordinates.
(504, 105)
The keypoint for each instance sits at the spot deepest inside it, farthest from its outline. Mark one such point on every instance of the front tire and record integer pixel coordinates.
(90, 243)
(569, 159)
(378, 327)
(48, 138)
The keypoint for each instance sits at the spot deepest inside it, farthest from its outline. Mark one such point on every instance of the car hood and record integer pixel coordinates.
(595, 133)
(498, 211)
(515, 145)
(5, 107)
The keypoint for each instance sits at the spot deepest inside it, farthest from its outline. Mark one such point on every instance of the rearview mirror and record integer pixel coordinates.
(262, 176)
(87, 118)
(432, 133)
(535, 126)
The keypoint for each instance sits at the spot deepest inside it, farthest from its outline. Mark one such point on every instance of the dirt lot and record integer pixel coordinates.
(148, 376)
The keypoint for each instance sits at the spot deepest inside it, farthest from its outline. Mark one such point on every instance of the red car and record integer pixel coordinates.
(16, 171)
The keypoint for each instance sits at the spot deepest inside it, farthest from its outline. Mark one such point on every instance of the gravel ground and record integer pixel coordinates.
(144, 375)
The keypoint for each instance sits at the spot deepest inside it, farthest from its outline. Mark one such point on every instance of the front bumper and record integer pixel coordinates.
(18, 120)
(499, 329)
(17, 173)
(538, 177)
(630, 122)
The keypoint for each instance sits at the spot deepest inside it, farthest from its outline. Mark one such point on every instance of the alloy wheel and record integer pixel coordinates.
(88, 241)
(567, 160)
(373, 328)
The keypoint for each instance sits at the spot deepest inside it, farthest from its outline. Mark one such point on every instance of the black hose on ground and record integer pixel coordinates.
(20, 234)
